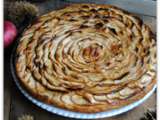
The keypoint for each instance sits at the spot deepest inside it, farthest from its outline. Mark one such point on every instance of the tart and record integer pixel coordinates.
(87, 58)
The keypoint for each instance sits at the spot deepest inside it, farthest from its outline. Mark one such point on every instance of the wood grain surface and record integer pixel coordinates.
(15, 104)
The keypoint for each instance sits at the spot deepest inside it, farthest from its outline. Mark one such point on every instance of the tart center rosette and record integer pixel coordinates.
(87, 56)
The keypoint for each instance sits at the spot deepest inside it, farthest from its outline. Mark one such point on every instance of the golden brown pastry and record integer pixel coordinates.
(87, 58)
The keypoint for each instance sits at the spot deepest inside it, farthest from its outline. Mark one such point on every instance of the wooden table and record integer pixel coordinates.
(15, 104)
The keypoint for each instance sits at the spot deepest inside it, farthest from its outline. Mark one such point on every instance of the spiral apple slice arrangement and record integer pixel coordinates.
(87, 58)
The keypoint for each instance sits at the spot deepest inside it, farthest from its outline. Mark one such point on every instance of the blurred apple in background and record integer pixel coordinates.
(10, 32)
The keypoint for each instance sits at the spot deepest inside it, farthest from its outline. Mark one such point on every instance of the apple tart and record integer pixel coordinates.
(87, 58)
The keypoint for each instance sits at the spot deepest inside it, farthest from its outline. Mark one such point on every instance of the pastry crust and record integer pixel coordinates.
(87, 58)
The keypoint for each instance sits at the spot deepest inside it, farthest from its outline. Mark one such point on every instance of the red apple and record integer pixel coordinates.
(10, 32)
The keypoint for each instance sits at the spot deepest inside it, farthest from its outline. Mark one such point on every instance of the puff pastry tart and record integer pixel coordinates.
(87, 58)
